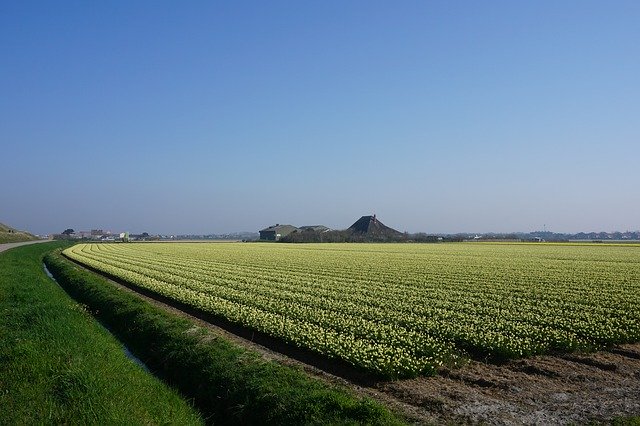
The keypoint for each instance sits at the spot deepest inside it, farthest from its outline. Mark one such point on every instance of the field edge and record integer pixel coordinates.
(59, 366)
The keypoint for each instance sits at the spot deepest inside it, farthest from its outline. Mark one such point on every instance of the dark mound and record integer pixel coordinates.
(366, 229)
(370, 225)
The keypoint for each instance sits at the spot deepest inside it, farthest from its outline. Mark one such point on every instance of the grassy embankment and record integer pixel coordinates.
(59, 366)
(228, 383)
(10, 235)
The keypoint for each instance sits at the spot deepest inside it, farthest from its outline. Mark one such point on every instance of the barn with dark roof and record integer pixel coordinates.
(277, 231)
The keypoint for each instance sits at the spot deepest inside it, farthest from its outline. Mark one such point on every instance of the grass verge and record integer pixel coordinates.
(59, 366)
(228, 383)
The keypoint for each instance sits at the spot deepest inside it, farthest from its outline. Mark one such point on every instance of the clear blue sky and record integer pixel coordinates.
(208, 117)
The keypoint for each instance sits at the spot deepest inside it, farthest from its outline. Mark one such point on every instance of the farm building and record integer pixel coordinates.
(314, 228)
(277, 231)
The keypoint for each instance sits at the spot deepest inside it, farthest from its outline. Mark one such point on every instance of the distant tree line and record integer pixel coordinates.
(346, 236)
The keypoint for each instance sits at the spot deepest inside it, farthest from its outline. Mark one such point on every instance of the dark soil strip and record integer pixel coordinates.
(626, 353)
(472, 379)
(531, 369)
(591, 362)
(335, 367)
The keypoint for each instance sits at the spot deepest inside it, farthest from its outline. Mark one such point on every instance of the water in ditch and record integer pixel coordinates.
(126, 350)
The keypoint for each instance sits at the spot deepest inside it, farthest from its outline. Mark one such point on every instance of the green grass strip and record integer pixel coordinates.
(228, 383)
(59, 366)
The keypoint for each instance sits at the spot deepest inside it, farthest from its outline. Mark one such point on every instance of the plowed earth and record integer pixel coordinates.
(541, 390)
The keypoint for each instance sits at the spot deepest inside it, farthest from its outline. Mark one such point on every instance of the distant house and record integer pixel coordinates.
(277, 231)
(83, 234)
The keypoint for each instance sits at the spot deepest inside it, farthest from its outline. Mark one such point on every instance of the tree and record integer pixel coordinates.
(68, 231)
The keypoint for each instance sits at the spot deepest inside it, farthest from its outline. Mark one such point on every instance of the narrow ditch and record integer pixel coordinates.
(125, 349)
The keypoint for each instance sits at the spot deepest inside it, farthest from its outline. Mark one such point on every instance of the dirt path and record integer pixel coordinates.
(7, 246)
(543, 390)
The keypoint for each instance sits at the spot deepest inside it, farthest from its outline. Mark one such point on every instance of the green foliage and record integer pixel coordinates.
(229, 384)
(399, 310)
(59, 366)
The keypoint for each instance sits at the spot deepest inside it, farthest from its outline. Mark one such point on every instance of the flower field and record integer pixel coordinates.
(399, 310)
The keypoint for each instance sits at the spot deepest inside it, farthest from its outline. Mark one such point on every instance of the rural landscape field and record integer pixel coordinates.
(320, 213)
(399, 310)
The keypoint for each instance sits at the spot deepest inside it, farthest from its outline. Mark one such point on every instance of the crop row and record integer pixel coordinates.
(398, 310)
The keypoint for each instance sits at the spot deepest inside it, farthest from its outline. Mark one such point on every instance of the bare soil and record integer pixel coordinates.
(543, 390)
(572, 389)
